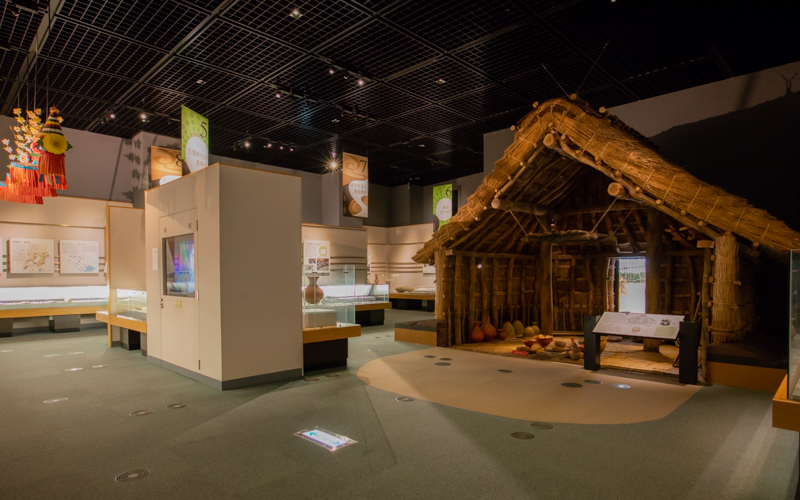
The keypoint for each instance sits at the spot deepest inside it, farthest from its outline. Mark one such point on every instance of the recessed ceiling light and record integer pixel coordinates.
(247, 144)
(331, 70)
(296, 14)
(201, 81)
(440, 81)
(143, 116)
(360, 81)
(278, 95)
(112, 115)
(335, 120)
(281, 146)
(291, 149)
(269, 144)
(333, 164)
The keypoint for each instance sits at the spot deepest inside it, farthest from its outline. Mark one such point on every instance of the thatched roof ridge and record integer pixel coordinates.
(562, 137)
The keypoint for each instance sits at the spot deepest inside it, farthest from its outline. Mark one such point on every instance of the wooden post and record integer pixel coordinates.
(610, 284)
(439, 259)
(545, 287)
(473, 278)
(587, 262)
(705, 292)
(668, 285)
(726, 324)
(654, 254)
(509, 290)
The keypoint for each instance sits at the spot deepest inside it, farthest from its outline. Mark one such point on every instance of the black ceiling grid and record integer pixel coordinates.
(435, 74)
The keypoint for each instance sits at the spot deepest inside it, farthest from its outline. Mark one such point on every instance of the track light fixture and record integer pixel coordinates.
(331, 70)
(247, 144)
(278, 94)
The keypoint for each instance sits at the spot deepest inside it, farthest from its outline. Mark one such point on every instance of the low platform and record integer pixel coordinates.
(126, 323)
(327, 347)
(417, 301)
(372, 313)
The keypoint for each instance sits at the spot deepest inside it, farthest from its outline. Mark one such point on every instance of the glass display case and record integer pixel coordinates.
(794, 325)
(329, 299)
(52, 296)
(129, 303)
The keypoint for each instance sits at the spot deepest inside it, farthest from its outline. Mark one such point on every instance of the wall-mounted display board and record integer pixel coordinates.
(31, 256)
(79, 257)
(355, 184)
(316, 257)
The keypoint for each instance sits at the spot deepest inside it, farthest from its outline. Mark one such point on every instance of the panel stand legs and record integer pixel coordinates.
(689, 338)
(591, 344)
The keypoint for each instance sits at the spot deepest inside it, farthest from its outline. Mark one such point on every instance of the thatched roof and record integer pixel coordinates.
(559, 148)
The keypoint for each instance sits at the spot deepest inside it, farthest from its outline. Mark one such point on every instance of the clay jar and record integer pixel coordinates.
(313, 294)
(501, 334)
(476, 335)
(519, 328)
(489, 331)
(509, 328)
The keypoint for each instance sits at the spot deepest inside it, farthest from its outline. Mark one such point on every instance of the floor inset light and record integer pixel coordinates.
(327, 439)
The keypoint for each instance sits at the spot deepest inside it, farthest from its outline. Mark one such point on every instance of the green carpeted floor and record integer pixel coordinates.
(240, 444)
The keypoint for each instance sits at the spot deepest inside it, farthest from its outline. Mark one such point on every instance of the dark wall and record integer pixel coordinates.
(752, 153)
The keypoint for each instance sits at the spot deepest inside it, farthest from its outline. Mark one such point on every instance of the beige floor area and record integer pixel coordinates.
(532, 391)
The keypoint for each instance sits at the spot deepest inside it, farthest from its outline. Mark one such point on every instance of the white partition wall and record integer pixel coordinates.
(348, 246)
(241, 318)
(391, 250)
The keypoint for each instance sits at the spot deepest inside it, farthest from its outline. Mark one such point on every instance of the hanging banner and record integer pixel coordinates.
(316, 257)
(442, 204)
(164, 165)
(355, 173)
(194, 139)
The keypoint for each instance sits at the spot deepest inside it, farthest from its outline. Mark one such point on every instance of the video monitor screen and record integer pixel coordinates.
(179, 270)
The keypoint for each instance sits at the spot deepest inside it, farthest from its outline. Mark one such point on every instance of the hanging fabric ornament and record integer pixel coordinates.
(22, 188)
(5, 195)
(53, 145)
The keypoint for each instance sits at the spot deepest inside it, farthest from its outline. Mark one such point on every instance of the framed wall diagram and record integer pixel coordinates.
(31, 256)
(79, 257)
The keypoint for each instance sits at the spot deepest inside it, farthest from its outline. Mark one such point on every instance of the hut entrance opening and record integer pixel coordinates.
(631, 284)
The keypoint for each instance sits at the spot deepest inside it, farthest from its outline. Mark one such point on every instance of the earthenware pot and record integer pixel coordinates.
(501, 334)
(476, 335)
(529, 342)
(313, 294)
(544, 341)
(489, 331)
(575, 355)
(528, 332)
(509, 328)
(536, 329)
(519, 328)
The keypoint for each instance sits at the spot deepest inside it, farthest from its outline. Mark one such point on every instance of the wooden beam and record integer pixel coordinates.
(628, 234)
(517, 206)
(489, 255)
(654, 257)
(544, 284)
(618, 191)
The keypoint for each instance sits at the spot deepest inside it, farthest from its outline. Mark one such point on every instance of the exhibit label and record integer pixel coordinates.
(355, 174)
(316, 257)
(31, 256)
(164, 165)
(653, 326)
(442, 204)
(79, 257)
(194, 139)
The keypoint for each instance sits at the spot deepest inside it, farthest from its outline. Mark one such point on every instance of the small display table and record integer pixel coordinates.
(649, 326)
(327, 347)
(371, 313)
(419, 301)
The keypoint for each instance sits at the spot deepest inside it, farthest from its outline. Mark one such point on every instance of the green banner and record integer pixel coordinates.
(194, 139)
(443, 203)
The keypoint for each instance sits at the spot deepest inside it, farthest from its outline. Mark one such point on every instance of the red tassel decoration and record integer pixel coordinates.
(5, 195)
(53, 168)
(38, 189)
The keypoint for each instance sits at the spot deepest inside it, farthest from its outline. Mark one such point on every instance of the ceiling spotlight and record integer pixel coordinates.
(420, 145)
(247, 144)
(333, 164)
(331, 70)
(440, 81)
(360, 81)
(278, 95)
(291, 149)
(201, 81)
(269, 144)
(346, 76)
(281, 146)
(296, 14)
(143, 117)
(112, 115)
(335, 120)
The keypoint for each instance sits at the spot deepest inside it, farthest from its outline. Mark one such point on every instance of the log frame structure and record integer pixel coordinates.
(577, 190)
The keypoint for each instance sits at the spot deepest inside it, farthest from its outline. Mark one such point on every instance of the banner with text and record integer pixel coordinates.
(442, 204)
(164, 165)
(194, 139)
(355, 174)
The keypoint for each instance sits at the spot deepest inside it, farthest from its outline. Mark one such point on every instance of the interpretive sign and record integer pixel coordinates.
(428, 269)
(31, 256)
(442, 204)
(652, 326)
(164, 165)
(79, 257)
(316, 257)
(327, 439)
(355, 184)
(194, 139)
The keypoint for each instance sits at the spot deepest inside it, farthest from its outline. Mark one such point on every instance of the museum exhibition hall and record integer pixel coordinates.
(367, 249)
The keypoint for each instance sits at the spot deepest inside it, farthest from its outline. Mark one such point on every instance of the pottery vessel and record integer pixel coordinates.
(575, 355)
(489, 331)
(501, 334)
(476, 335)
(313, 294)
(529, 332)
(529, 342)
(519, 328)
(544, 341)
(509, 328)
(536, 329)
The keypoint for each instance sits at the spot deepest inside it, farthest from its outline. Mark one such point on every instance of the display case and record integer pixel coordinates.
(52, 296)
(329, 299)
(129, 304)
(794, 325)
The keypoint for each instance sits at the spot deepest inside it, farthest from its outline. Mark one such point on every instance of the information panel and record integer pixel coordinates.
(79, 257)
(442, 204)
(31, 256)
(316, 257)
(652, 326)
